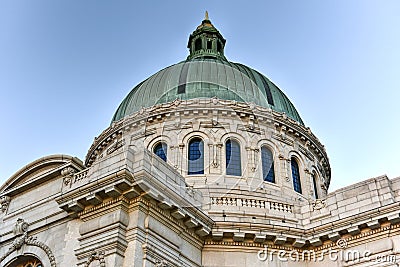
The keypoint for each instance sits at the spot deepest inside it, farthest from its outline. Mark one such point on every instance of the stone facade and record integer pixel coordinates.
(127, 206)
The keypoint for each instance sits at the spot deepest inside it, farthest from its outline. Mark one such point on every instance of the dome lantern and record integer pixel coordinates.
(206, 41)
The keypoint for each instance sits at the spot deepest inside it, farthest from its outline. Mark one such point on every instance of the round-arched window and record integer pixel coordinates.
(26, 261)
(161, 150)
(296, 175)
(233, 161)
(196, 156)
(314, 180)
(197, 44)
(267, 161)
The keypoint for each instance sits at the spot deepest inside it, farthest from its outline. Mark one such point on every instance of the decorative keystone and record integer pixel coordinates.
(373, 224)
(334, 237)
(217, 236)
(259, 238)
(316, 242)
(299, 243)
(178, 214)
(354, 230)
(280, 240)
(238, 236)
(20, 227)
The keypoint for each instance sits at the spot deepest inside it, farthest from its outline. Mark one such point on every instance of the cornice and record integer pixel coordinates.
(350, 241)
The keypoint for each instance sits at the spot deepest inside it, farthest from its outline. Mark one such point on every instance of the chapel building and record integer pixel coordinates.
(205, 163)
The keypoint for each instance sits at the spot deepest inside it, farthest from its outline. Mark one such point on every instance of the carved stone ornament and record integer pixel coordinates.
(96, 256)
(21, 231)
(68, 173)
(21, 227)
(161, 263)
(319, 204)
(116, 146)
(324, 188)
(4, 202)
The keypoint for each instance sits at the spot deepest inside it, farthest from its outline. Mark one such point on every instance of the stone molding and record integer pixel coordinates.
(361, 238)
(176, 196)
(300, 235)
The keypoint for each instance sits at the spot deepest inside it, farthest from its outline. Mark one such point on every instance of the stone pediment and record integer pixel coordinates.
(39, 171)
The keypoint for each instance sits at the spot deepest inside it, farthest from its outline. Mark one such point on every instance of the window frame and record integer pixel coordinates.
(314, 179)
(232, 169)
(190, 162)
(272, 166)
(164, 148)
(296, 178)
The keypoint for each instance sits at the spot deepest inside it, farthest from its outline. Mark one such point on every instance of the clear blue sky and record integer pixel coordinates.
(66, 65)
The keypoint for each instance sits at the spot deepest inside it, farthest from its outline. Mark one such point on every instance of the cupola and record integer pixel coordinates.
(206, 41)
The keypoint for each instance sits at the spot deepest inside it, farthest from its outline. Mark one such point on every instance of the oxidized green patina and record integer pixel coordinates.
(206, 74)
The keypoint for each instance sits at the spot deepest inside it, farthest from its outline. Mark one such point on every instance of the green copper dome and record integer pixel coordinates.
(206, 74)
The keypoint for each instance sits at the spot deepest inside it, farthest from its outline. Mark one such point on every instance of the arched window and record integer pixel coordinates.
(197, 44)
(26, 261)
(267, 161)
(233, 162)
(296, 176)
(196, 156)
(314, 178)
(161, 150)
(209, 44)
(219, 46)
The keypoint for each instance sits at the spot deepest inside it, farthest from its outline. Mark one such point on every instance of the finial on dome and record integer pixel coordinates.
(206, 16)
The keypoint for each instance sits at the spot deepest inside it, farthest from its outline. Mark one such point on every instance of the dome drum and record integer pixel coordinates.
(214, 118)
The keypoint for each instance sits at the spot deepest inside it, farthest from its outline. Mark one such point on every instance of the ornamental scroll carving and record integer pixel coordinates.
(162, 263)
(21, 232)
(20, 227)
(4, 202)
(68, 174)
(96, 256)
(319, 204)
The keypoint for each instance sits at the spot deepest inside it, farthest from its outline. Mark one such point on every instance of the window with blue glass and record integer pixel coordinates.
(267, 161)
(314, 178)
(296, 176)
(161, 150)
(196, 156)
(233, 161)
